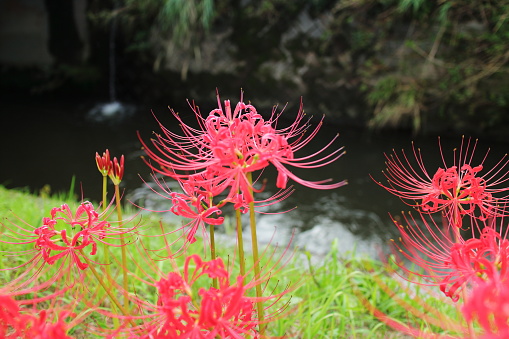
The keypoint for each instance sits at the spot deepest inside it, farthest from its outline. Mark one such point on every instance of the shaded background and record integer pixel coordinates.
(77, 77)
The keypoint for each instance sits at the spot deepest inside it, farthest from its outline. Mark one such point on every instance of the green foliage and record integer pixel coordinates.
(383, 90)
(184, 17)
(330, 302)
(444, 55)
(30, 208)
(412, 5)
(394, 102)
(421, 57)
(184, 21)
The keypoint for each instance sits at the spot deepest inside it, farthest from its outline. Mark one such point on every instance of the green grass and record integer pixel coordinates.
(28, 207)
(325, 302)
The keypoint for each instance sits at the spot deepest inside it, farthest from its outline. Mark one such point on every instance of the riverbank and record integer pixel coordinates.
(326, 301)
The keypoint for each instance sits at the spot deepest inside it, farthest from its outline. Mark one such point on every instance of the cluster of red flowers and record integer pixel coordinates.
(114, 169)
(231, 144)
(220, 155)
(71, 255)
(17, 323)
(464, 249)
(189, 307)
(66, 237)
(457, 191)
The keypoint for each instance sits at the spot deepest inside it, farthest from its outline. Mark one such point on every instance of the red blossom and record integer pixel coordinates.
(227, 312)
(456, 191)
(103, 162)
(116, 172)
(488, 303)
(229, 145)
(196, 200)
(16, 322)
(112, 168)
(473, 265)
(448, 260)
(66, 237)
(10, 319)
(85, 215)
(473, 259)
(185, 310)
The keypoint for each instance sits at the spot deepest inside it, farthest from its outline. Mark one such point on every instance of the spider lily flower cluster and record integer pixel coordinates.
(459, 241)
(80, 261)
(457, 191)
(114, 169)
(221, 155)
(66, 239)
(18, 323)
(188, 306)
(228, 146)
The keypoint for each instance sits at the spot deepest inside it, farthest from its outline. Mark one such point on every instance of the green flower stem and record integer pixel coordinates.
(105, 246)
(240, 241)
(256, 262)
(104, 286)
(122, 243)
(105, 184)
(213, 252)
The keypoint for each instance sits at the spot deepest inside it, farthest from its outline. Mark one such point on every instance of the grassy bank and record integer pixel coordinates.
(330, 300)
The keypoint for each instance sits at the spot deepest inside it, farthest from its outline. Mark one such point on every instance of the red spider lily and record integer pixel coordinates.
(103, 162)
(40, 328)
(65, 236)
(84, 217)
(231, 145)
(473, 258)
(456, 190)
(116, 172)
(180, 312)
(187, 305)
(448, 260)
(488, 303)
(200, 214)
(292, 139)
(10, 319)
(196, 202)
(29, 323)
(225, 312)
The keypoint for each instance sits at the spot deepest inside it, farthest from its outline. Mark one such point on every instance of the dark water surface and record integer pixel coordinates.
(50, 143)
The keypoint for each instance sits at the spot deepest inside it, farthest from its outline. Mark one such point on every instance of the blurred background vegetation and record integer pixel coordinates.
(420, 65)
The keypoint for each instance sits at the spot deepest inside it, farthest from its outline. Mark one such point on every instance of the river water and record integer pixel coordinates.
(48, 144)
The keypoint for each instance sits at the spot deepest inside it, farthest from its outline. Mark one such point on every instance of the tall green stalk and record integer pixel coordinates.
(213, 252)
(240, 242)
(122, 243)
(104, 195)
(106, 288)
(105, 246)
(256, 262)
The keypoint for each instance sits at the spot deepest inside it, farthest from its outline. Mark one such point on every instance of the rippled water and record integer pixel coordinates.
(48, 144)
